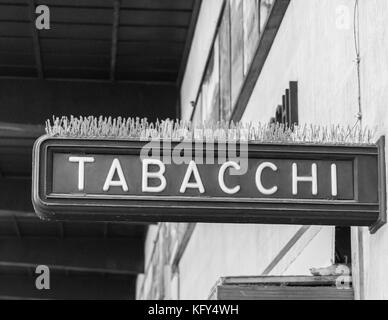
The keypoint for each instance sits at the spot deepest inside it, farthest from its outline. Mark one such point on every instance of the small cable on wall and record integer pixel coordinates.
(356, 34)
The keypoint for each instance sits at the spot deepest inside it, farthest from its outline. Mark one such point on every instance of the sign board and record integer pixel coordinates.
(111, 180)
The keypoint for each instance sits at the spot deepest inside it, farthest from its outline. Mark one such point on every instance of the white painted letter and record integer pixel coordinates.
(121, 182)
(221, 174)
(43, 21)
(259, 171)
(334, 191)
(81, 169)
(313, 179)
(153, 175)
(192, 168)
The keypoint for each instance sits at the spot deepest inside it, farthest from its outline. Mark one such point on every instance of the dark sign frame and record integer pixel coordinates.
(365, 210)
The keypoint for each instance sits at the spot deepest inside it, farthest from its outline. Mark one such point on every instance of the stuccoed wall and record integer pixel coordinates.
(374, 66)
(315, 46)
(217, 250)
(200, 48)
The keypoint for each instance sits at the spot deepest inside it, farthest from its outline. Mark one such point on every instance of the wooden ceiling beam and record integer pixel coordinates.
(136, 41)
(91, 286)
(113, 256)
(29, 268)
(17, 130)
(9, 214)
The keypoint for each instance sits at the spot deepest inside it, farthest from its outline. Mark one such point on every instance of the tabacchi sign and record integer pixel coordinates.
(109, 180)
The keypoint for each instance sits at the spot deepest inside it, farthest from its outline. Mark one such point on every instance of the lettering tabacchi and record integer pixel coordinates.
(192, 179)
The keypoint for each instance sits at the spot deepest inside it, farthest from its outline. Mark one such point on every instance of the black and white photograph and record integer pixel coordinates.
(194, 151)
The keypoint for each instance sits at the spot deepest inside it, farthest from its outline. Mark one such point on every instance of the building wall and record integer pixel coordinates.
(314, 46)
(142, 282)
(200, 48)
(217, 250)
(374, 63)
